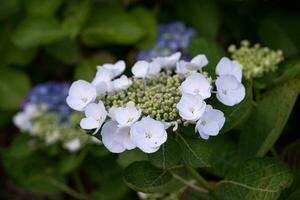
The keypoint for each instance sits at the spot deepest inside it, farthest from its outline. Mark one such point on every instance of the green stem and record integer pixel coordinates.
(78, 182)
(198, 177)
(68, 190)
(274, 152)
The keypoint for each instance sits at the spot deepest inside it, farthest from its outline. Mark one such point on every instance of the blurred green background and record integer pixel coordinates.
(63, 40)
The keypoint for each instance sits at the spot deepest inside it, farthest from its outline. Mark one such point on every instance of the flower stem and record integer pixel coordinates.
(68, 190)
(198, 177)
(78, 182)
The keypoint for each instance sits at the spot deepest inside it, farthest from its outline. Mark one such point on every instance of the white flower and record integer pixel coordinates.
(95, 116)
(72, 145)
(227, 67)
(23, 119)
(140, 69)
(191, 107)
(122, 83)
(168, 62)
(102, 81)
(81, 93)
(196, 84)
(194, 65)
(116, 69)
(210, 123)
(148, 134)
(125, 116)
(229, 90)
(116, 139)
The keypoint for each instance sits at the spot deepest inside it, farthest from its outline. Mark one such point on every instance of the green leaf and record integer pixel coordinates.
(147, 21)
(268, 119)
(236, 114)
(20, 147)
(19, 56)
(109, 24)
(42, 8)
(8, 8)
(211, 49)
(142, 176)
(128, 157)
(35, 31)
(225, 156)
(113, 190)
(14, 85)
(76, 15)
(200, 14)
(66, 51)
(195, 152)
(256, 179)
(291, 156)
(167, 156)
(281, 25)
(294, 195)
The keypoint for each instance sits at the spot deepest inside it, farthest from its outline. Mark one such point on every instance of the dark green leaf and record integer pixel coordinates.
(195, 152)
(14, 85)
(167, 156)
(211, 49)
(42, 8)
(111, 25)
(256, 179)
(281, 25)
(147, 21)
(66, 50)
(76, 15)
(35, 31)
(142, 176)
(200, 14)
(8, 7)
(268, 119)
(128, 157)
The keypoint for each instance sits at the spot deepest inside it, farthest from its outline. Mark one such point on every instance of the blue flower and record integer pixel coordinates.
(53, 96)
(171, 38)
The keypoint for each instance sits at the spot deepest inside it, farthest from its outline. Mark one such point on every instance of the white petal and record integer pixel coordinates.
(122, 83)
(140, 69)
(168, 61)
(89, 123)
(196, 84)
(227, 67)
(200, 61)
(117, 69)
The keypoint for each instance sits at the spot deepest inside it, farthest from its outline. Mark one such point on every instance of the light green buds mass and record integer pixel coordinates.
(156, 96)
(256, 60)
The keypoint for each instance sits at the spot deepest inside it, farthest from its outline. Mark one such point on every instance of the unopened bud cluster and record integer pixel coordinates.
(255, 60)
(156, 97)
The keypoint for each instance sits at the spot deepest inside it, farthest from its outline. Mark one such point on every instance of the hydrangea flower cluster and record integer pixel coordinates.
(46, 115)
(256, 60)
(171, 38)
(136, 112)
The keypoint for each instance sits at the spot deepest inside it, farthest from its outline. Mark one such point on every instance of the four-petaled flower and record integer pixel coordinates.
(210, 123)
(81, 93)
(228, 67)
(196, 84)
(95, 116)
(148, 134)
(125, 116)
(191, 107)
(116, 139)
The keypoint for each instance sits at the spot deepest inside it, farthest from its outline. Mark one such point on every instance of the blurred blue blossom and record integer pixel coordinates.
(53, 96)
(171, 38)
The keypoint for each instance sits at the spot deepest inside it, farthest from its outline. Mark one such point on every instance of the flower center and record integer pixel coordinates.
(148, 135)
(84, 99)
(192, 109)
